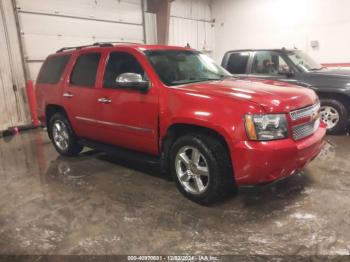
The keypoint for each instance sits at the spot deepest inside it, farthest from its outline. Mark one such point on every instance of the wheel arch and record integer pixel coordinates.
(343, 98)
(177, 130)
(50, 110)
(342, 101)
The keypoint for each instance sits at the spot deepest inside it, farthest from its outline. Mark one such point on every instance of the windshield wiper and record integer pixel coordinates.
(209, 78)
(316, 69)
(226, 76)
(201, 79)
(220, 77)
(189, 81)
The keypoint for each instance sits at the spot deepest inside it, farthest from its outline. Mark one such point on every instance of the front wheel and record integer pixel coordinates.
(201, 167)
(335, 115)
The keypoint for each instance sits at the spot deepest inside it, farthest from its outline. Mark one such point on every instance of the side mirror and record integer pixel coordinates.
(286, 71)
(290, 73)
(133, 81)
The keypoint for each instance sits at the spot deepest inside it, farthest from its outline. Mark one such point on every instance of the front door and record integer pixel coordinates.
(270, 65)
(127, 117)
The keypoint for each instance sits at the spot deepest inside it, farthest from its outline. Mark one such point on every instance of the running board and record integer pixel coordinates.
(122, 153)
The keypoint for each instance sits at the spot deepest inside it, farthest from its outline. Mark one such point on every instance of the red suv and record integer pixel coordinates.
(176, 107)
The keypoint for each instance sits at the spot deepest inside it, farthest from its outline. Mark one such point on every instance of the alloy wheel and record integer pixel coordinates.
(60, 135)
(192, 170)
(330, 116)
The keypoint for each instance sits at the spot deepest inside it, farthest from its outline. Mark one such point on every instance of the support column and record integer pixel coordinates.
(162, 10)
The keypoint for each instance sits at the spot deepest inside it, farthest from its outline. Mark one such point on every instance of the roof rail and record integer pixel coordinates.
(118, 43)
(72, 47)
(100, 44)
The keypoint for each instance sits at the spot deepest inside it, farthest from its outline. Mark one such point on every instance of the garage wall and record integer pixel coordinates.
(191, 22)
(284, 23)
(46, 27)
(13, 104)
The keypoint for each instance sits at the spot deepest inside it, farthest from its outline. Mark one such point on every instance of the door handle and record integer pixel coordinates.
(104, 100)
(68, 95)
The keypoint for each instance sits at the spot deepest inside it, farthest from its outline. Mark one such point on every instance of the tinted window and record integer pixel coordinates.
(52, 69)
(119, 63)
(268, 62)
(237, 63)
(85, 70)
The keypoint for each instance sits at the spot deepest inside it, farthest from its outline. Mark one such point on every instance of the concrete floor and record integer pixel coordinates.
(94, 204)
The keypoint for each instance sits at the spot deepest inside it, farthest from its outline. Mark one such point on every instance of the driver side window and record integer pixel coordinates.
(268, 62)
(119, 63)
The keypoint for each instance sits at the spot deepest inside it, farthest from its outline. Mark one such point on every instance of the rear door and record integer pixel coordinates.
(80, 91)
(50, 82)
(127, 117)
(237, 63)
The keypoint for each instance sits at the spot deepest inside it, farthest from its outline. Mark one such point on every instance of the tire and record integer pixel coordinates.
(219, 182)
(335, 115)
(64, 140)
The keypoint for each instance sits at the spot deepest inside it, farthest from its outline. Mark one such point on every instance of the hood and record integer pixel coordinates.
(335, 72)
(329, 78)
(273, 96)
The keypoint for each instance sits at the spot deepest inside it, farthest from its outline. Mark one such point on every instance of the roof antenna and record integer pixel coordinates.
(188, 45)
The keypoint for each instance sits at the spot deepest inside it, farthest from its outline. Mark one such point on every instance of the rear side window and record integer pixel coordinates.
(237, 63)
(52, 69)
(85, 70)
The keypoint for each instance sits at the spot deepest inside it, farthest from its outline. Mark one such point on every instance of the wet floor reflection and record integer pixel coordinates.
(97, 204)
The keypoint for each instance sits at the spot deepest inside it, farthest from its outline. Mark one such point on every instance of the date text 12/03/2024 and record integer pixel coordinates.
(173, 258)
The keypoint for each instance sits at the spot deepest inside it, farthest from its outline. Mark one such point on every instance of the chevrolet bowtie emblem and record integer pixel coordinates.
(315, 115)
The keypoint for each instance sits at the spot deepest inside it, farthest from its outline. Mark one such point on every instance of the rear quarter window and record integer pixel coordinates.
(52, 69)
(237, 63)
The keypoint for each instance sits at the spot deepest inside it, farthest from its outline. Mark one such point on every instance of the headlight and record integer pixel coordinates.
(266, 127)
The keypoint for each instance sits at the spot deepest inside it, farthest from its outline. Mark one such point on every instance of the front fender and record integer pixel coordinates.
(220, 114)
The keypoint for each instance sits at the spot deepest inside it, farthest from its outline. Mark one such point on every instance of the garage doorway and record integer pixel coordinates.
(73, 23)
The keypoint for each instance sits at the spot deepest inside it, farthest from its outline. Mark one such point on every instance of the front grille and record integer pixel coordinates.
(304, 130)
(305, 112)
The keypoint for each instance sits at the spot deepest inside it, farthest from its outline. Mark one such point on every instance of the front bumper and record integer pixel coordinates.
(262, 162)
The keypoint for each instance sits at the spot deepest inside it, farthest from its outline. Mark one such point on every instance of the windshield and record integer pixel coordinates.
(303, 61)
(178, 67)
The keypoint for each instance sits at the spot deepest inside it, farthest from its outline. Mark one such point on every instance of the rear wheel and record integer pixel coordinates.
(62, 136)
(335, 115)
(201, 167)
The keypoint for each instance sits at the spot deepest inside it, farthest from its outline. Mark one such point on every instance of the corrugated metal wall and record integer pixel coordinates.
(47, 26)
(191, 22)
(13, 105)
